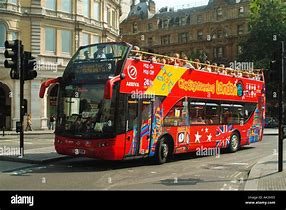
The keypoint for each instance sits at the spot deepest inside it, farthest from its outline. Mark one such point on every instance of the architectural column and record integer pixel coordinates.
(36, 104)
(44, 117)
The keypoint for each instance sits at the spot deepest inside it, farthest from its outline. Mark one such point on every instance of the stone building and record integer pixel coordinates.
(52, 30)
(210, 31)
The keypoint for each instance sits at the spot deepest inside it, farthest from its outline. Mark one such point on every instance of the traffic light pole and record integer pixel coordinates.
(20, 69)
(281, 113)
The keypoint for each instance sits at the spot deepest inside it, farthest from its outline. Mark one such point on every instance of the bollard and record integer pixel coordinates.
(3, 131)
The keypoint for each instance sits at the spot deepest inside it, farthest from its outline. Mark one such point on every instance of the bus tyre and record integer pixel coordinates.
(162, 151)
(234, 142)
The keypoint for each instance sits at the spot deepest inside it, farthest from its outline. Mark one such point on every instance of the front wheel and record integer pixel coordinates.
(162, 152)
(234, 142)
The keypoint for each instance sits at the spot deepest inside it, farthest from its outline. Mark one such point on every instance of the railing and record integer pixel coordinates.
(256, 74)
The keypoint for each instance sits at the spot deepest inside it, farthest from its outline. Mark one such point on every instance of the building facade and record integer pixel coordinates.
(212, 31)
(52, 30)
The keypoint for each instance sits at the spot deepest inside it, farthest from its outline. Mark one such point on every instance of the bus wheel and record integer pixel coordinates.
(162, 152)
(234, 142)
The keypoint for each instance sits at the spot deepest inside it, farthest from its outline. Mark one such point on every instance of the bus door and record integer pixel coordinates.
(139, 117)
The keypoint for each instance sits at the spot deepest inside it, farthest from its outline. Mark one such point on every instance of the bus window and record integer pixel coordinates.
(249, 109)
(132, 113)
(197, 113)
(178, 115)
(212, 113)
(226, 115)
(237, 114)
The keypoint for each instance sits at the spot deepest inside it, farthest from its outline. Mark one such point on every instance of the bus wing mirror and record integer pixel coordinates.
(108, 89)
(46, 84)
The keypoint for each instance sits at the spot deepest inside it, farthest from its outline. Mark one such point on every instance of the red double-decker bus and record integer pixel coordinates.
(113, 105)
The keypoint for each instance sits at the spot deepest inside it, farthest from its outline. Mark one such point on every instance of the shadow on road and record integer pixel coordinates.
(80, 164)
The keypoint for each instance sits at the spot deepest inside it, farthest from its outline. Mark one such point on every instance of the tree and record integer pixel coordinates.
(267, 19)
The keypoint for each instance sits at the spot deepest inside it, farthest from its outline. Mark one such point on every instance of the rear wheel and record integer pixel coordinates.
(234, 142)
(163, 151)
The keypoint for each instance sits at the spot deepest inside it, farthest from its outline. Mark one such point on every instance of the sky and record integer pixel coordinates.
(175, 3)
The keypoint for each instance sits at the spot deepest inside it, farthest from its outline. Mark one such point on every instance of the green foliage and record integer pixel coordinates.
(267, 18)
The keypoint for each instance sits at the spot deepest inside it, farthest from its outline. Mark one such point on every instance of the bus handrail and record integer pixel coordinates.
(240, 73)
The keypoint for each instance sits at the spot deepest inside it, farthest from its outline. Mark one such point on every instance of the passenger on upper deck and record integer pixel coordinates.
(135, 54)
(196, 63)
(99, 54)
(207, 67)
(187, 64)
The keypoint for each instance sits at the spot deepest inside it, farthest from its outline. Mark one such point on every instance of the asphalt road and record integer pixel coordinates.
(187, 172)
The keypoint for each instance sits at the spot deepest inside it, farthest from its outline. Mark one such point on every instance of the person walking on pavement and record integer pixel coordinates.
(52, 122)
(29, 123)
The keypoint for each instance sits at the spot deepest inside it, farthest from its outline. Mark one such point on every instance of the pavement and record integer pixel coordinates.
(42, 155)
(263, 175)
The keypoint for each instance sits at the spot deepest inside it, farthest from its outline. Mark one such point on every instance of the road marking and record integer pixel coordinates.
(242, 164)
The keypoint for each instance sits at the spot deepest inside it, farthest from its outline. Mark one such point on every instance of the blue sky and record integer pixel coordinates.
(174, 3)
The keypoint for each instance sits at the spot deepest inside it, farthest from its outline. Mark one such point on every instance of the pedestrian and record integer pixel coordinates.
(29, 123)
(52, 122)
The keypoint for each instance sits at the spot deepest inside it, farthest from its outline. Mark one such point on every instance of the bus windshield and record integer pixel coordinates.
(84, 112)
(98, 61)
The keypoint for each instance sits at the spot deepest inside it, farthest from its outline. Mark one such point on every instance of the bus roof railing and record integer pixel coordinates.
(247, 73)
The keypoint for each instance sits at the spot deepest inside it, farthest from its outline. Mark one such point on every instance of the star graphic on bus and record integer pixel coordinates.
(198, 136)
(210, 137)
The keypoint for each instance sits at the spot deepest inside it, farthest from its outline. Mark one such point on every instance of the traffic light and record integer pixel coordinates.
(275, 66)
(28, 66)
(13, 52)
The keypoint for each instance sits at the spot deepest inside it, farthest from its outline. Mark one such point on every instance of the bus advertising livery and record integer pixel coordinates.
(114, 103)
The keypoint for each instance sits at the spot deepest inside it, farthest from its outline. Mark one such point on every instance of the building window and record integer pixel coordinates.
(218, 52)
(2, 34)
(239, 49)
(150, 41)
(183, 37)
(14, 35)
(165, 39)
(96, 39)
(150, 26)
(66, 6)
(200, 35)
(85, 39)
(108, 15)
(66, 41)
(199, 19)
(241, 11)
(12, 1)
(165, 23)
(240, 29)
(96, 10)
(51, 4)
(183, 21)
(219, 12)
(113, 18)
(86, 7)
(134, 28)
(50, 39)
(220, 34)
